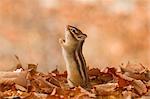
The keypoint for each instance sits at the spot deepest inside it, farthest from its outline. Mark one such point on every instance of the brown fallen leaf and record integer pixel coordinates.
(98, 77)
(32, 68)
(106, 89)
(20, 88)
(121, 79)
(16, 77)
(139, 86)
(52, 80)
(133, 68)
(94, 72)
(143, 74)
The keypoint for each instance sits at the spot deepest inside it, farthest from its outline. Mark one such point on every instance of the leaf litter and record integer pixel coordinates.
(126, 82)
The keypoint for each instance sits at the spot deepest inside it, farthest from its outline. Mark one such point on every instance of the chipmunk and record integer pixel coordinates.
(74, 59)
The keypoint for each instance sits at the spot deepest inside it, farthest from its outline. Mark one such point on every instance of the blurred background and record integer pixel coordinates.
(118, 31)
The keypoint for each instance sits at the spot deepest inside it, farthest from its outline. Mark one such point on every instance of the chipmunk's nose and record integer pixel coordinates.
(70, 26)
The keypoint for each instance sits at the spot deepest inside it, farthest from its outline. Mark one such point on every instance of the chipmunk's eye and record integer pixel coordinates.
(74, 31)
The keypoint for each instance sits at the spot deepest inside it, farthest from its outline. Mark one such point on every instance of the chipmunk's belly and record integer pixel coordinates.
(74, 77)
(71, 66)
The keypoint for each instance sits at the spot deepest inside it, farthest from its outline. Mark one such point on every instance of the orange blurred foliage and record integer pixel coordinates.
(118, 31)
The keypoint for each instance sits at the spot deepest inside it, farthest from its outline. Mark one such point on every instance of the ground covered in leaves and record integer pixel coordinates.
(126, 82)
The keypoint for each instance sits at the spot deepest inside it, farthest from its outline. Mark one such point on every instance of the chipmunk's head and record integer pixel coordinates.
(74, 33)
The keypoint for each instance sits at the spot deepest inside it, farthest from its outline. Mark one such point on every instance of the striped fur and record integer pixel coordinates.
(72, 52)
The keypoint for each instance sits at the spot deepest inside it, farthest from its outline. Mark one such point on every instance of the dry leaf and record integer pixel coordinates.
(139, 86)
(105, 89)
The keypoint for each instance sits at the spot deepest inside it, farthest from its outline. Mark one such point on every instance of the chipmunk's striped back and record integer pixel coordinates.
(81, 62)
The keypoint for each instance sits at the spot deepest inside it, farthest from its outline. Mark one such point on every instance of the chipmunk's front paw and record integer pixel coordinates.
(61, 41)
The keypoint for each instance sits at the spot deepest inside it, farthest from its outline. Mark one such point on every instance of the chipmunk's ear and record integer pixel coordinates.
(82, 37)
